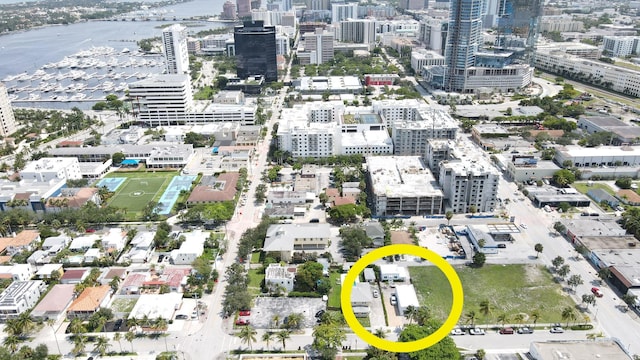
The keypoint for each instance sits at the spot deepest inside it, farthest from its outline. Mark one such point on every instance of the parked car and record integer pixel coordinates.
(242, 322)
(375, 293)
(181, 317)
(393, 299)
(314, 220)
(244, 312)
(476, 331)
(597, 292)
(556, 330)
(320, 313)
(507, 331)
(457, 332)
(525, 330)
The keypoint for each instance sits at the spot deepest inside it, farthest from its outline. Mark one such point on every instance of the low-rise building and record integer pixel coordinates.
(190, 249)
(406, 296)
(155, 306)
(24, 240)
(330, 84)
(285, 239)
(46, 169)
(54, 304)
(19, 297)
(141, 247)
(17, 272)
(74, 276)
(214, 189)
(279, 277)
(114, 240)
(73, 198)
(599, 156)
(375, 232)
(361, 299)
(48, 271)
(89, 301)
(54, 244)
(393, 272)
(578, 349)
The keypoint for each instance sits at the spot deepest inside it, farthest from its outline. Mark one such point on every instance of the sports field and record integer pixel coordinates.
(139, 189)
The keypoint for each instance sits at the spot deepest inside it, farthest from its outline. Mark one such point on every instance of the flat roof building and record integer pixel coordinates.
(402, 185)
(154, 306)
(578, 350)
(19, 297)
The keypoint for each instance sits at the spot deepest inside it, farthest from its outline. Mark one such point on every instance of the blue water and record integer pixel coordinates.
(170, 196)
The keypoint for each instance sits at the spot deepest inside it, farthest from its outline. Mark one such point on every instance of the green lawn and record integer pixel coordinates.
(139, 189)
(255, 279)
(583, 187)
(511, 289)
(255, 257)
(336, 287)
(123, 305)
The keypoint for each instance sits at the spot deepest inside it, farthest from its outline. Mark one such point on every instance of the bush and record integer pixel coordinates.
(582, 327)
(310, 294)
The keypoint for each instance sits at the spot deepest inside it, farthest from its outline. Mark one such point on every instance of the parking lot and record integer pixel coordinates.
(265, 308)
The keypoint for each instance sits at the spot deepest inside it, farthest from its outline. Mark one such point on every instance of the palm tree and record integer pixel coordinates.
(422, 315)
(80, 342)
(160, 324)
(381, 333)
(102, 345)
(538, 248)
(276, 320)
(569, 314)
(535, 315)
(410, 313)
(486, 309)
(76, 326)
(294, 321)
(50, 323)
(283, 336)
(11, 342)
(130, 336)
(248, 335)
(117, 337)
(518, 318)
(470, 317)
(267, 337)
(503, 318)
(25, 323)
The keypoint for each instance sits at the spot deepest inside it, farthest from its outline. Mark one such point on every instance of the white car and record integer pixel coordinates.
(556, 330)
(375, 293)
(393, 300)
(476, 331)
(457, 332)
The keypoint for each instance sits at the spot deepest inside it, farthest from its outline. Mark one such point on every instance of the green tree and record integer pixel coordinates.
(410, 313)
(448, 215)
(102, 345)
(604, 274)
(470, 317)
(283, 336)
(564, 271)
(557, 262)
(12, 342)
(575, 281)
(267, 337)
(503, 318)
(564, 177)
(130, 336)
(480, 354)
(248, 335)
(118, 337)
(624, 183)
(486, 309)
(118, 157)
(79, 344)
(479, 258)
(327, 338)
(588, 299)
(444, 350)
(538, 248)
(307, 276)
(294, 321)
(568, 314)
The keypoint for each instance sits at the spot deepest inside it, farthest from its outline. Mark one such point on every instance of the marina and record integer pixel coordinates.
(86, 76)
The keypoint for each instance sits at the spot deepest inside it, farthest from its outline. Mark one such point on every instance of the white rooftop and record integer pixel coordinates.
(401, 176)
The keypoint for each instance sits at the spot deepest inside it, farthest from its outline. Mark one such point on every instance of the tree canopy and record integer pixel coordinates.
(444, 350)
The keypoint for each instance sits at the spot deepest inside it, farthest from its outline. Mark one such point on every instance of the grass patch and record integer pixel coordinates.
(255, 257)
(255, 280)
(583, 187)
(138, 190)
(336, 288)
(511, 289)
(122, 305)
(365, 322)
(627, 65)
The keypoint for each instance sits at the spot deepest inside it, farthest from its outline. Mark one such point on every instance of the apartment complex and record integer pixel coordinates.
(412, 137)
(20, 296)
(560, 23)
(7, 119)
(402, 185)
(340, 12)
(46, 169)
(318, 47)
(162, 100)
(176, 54)
(620, 46)
(359, 31)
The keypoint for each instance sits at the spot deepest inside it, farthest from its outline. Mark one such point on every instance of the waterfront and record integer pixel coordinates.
(29, 51)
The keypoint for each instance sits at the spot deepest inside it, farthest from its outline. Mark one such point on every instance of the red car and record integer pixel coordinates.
(244, 313)
(242, 322)
(597, 292)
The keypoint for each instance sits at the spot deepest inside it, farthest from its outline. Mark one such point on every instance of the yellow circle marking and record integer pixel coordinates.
(437, 260)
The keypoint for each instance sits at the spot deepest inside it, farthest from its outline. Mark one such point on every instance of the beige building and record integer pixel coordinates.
(7, 119)
(285, 239)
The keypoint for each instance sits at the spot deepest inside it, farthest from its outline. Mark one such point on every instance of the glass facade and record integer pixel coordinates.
(255, 46)
(463, 41)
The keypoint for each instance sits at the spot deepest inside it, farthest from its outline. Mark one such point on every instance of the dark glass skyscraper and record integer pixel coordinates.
(519, 18)
(255, 46)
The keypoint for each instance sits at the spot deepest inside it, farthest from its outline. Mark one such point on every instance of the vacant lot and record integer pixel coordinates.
(584, 187)
(511, 289)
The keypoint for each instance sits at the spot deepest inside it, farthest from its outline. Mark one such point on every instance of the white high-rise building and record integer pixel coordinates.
(7, 119)
(319, 46)
(162, 99)
(174, 40)
(340, 12)
(469, 179)
(620, 46)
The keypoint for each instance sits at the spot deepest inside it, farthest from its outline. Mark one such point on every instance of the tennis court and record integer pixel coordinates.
(138, 192)
(170, 196)
(111, 184)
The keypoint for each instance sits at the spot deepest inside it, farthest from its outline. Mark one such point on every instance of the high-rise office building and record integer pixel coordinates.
(360, 31)
(228, 11)
(176, 52)
(255, 48)
(519, 18)
(318, 47)
(463, 41)
(243, 8)
(7, 119)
